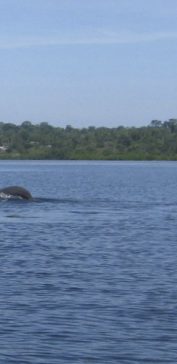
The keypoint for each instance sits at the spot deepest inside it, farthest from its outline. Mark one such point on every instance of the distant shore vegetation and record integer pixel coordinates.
(157, 141)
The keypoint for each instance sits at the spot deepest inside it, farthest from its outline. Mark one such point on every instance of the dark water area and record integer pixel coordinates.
(88, 268)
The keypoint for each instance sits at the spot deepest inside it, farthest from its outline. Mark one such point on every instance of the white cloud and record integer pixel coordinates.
(97, 38)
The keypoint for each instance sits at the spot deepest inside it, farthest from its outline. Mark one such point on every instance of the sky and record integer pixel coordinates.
(88, 63)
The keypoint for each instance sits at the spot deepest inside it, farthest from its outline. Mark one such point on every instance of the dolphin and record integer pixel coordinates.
(16, 191)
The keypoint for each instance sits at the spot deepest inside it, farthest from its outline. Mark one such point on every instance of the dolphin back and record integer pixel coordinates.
(17, 191)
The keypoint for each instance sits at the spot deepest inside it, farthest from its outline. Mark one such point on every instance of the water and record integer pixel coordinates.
(88, 269)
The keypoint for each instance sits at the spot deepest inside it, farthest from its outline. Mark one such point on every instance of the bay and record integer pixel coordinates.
(88, 268)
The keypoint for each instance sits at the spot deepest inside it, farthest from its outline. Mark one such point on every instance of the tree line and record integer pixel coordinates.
(157, 141)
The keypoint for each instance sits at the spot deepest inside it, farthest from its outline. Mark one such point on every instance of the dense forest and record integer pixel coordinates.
(157, 141)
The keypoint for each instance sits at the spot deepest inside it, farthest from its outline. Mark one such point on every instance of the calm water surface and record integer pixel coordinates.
(88, 269)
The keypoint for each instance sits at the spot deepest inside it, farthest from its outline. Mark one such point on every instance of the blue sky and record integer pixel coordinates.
(80, 62)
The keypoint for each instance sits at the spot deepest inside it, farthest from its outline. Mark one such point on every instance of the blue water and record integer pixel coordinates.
(88, 269)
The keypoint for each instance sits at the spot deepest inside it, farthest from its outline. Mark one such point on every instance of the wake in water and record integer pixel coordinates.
(14, 198)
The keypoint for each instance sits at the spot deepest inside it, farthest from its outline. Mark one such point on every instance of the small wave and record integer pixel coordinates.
(6, 196)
